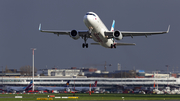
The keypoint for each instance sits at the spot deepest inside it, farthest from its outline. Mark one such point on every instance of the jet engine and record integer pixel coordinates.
(117, 35)
(68, 90)
(74, 34)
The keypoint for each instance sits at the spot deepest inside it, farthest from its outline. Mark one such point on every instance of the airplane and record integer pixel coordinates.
(55, 88)
(99, 32)
(70, 90)
(14, 88)
(85, 89)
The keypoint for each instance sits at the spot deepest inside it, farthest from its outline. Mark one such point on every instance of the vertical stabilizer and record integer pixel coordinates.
(67, 84)
(112, 27)
(95, 84)
(28, 87)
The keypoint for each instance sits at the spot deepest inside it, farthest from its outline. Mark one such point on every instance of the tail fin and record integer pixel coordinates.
(112, 27)
(29, 86)
(95, 84)
(67, 84)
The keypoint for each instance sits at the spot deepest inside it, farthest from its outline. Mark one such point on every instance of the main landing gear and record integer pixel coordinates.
(113, 46)
(85, 44)
(86, 37)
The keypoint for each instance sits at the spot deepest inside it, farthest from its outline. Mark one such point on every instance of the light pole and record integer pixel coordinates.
(167, 73)
(33, 68)
(2, 77)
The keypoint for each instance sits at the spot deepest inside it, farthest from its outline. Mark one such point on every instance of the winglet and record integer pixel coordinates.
(168, 29)
(112, 27)
(40, 27)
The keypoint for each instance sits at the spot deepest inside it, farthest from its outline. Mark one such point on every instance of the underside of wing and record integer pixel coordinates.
(95, 44)
(111, 34)
(80, 33)
(126, 33)
(60, 32)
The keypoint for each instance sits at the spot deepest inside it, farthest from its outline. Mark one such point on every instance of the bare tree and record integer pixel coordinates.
(27, 70)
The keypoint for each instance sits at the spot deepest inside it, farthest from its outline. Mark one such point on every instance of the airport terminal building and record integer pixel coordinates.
(81, 81)
(59, 77)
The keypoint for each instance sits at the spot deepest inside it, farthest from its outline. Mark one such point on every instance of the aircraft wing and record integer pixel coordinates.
(132, 33)
(66, 32)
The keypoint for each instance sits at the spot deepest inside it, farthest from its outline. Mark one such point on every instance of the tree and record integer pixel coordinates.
(27, 70)
(6, 70)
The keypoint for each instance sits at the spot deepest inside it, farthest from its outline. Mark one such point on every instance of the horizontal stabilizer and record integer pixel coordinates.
(123, 44)
(118, 44)
(95, 44)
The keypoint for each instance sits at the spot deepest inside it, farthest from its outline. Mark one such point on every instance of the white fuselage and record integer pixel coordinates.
(94, 23)
(52, 88)
(12, 88)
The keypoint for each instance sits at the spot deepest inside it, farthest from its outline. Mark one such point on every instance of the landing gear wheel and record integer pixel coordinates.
(85, 39)
(114, 45)
(83, 45)
(111, 46)
(86, 45)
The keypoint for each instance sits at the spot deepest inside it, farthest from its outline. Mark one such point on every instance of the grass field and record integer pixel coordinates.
(33, 97)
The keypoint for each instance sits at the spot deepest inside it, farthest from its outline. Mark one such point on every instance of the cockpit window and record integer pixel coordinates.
(90, 14)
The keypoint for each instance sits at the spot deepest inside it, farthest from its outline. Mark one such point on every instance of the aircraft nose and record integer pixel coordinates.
(85, 19)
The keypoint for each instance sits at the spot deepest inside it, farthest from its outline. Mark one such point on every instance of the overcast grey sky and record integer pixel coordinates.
(19, 21)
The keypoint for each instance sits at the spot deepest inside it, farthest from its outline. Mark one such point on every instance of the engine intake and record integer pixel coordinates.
(74, 34)
(117, 35)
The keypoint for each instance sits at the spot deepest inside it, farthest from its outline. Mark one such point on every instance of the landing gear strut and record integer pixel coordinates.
(86, 37)
(85, 44)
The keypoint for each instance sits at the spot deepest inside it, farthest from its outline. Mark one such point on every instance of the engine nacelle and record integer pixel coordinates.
(74, 34)
(117, 35)
(68, 90)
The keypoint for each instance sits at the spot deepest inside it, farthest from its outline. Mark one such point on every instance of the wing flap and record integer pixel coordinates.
(95, 44)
